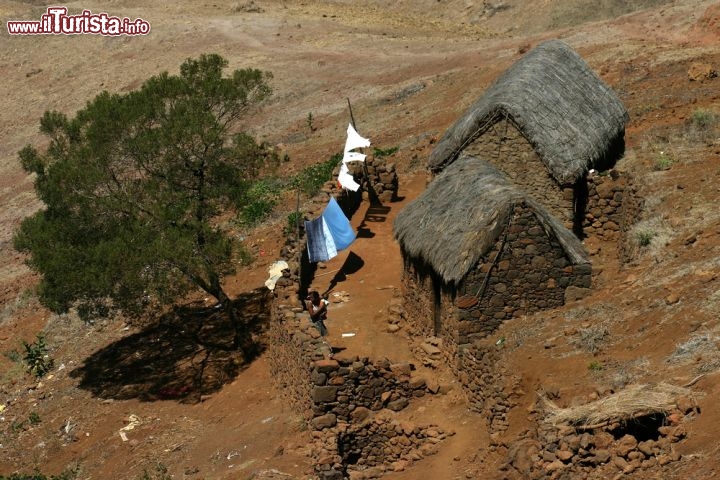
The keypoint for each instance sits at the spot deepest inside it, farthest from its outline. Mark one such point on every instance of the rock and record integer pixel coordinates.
(325, 421)
(554, 466)
(399, 466)
(324, 394)
(433, 386)
(647, 447)
(431, 350)
(699, 72)
(445, 388)
(601, 456)
(417, 383)
(403, 368)
(520, 455)
(620, 462)
(672, 299)
(564, 455)
(573, 293)
(393, 327)
(625, 445)
(360, 414)
(603, 440)
(398, 404)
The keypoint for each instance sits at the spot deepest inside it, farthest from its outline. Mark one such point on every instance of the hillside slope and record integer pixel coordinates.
(409, 69)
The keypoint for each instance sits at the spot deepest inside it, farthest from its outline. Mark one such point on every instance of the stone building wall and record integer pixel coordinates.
(504, 146)
(614, 206)
(531, 274)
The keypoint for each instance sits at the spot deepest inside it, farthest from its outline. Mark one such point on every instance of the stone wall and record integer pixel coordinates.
(614, 206)
(377, 445)
(342, 386)
(381, 182)
(531, 273)
(525, 271)
(505, 147)
(641, 446)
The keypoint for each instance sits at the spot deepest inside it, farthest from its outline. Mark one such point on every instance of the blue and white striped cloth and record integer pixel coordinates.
(328, 234)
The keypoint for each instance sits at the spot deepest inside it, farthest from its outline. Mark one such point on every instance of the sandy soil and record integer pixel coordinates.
(409, 68)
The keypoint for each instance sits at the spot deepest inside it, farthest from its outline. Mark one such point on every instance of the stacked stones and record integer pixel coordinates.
(377, 445)
(568, 453)
(343, 385)
(381, 178)
(531, 274)
(395, 313)
(614, 206)
(490, 388)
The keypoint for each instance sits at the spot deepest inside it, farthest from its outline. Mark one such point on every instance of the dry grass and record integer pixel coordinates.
(701, 348)
(633, 402)
(591, 339)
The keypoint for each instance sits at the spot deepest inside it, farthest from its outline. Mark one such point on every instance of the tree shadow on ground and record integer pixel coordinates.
(185, 354)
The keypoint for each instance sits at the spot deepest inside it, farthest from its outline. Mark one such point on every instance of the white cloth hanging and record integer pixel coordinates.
(354, 140)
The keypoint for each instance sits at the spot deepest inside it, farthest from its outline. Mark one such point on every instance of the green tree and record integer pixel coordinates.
(133, 186)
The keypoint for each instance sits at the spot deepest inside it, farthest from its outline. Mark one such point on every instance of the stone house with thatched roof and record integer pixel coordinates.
(479, 250)
(545, 122)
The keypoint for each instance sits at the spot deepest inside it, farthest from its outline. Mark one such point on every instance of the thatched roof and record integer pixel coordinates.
(572, 119)
(633, 402)
(461, 215)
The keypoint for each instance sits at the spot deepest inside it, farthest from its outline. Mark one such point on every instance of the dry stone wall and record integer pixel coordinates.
(642, 447)
(531, 273)
(614, 206)
(376, 175)
(377, 445)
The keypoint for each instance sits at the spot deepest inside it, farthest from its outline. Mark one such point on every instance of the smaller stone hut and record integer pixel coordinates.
(478, 250)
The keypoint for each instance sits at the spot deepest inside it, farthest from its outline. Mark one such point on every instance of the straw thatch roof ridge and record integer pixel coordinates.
(573, 120)
(462, 213)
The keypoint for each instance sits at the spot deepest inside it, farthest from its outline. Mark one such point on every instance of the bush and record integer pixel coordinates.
(663, 162)
(36, 357)
(703, 119)
(260, 199)
(380, 152)
(644, 237)
(69, 474)
(293, 220)
(312, 178)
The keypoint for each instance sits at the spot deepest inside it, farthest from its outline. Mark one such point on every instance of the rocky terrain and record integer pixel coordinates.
(124, 401)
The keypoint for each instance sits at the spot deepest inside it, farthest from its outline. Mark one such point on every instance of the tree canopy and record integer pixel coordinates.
(133, 186)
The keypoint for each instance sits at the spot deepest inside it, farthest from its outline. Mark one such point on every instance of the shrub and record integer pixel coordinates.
(644, 237)
(663, 162)
(703, 119)
(379, 152)
(312, 178)
(36, 357)
(260, 199)
(293, 220)
(595, 366)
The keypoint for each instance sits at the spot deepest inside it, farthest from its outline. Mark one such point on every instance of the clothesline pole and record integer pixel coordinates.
(297, 215)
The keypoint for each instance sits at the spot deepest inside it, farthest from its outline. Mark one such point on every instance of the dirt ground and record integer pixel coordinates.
(124, 400)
